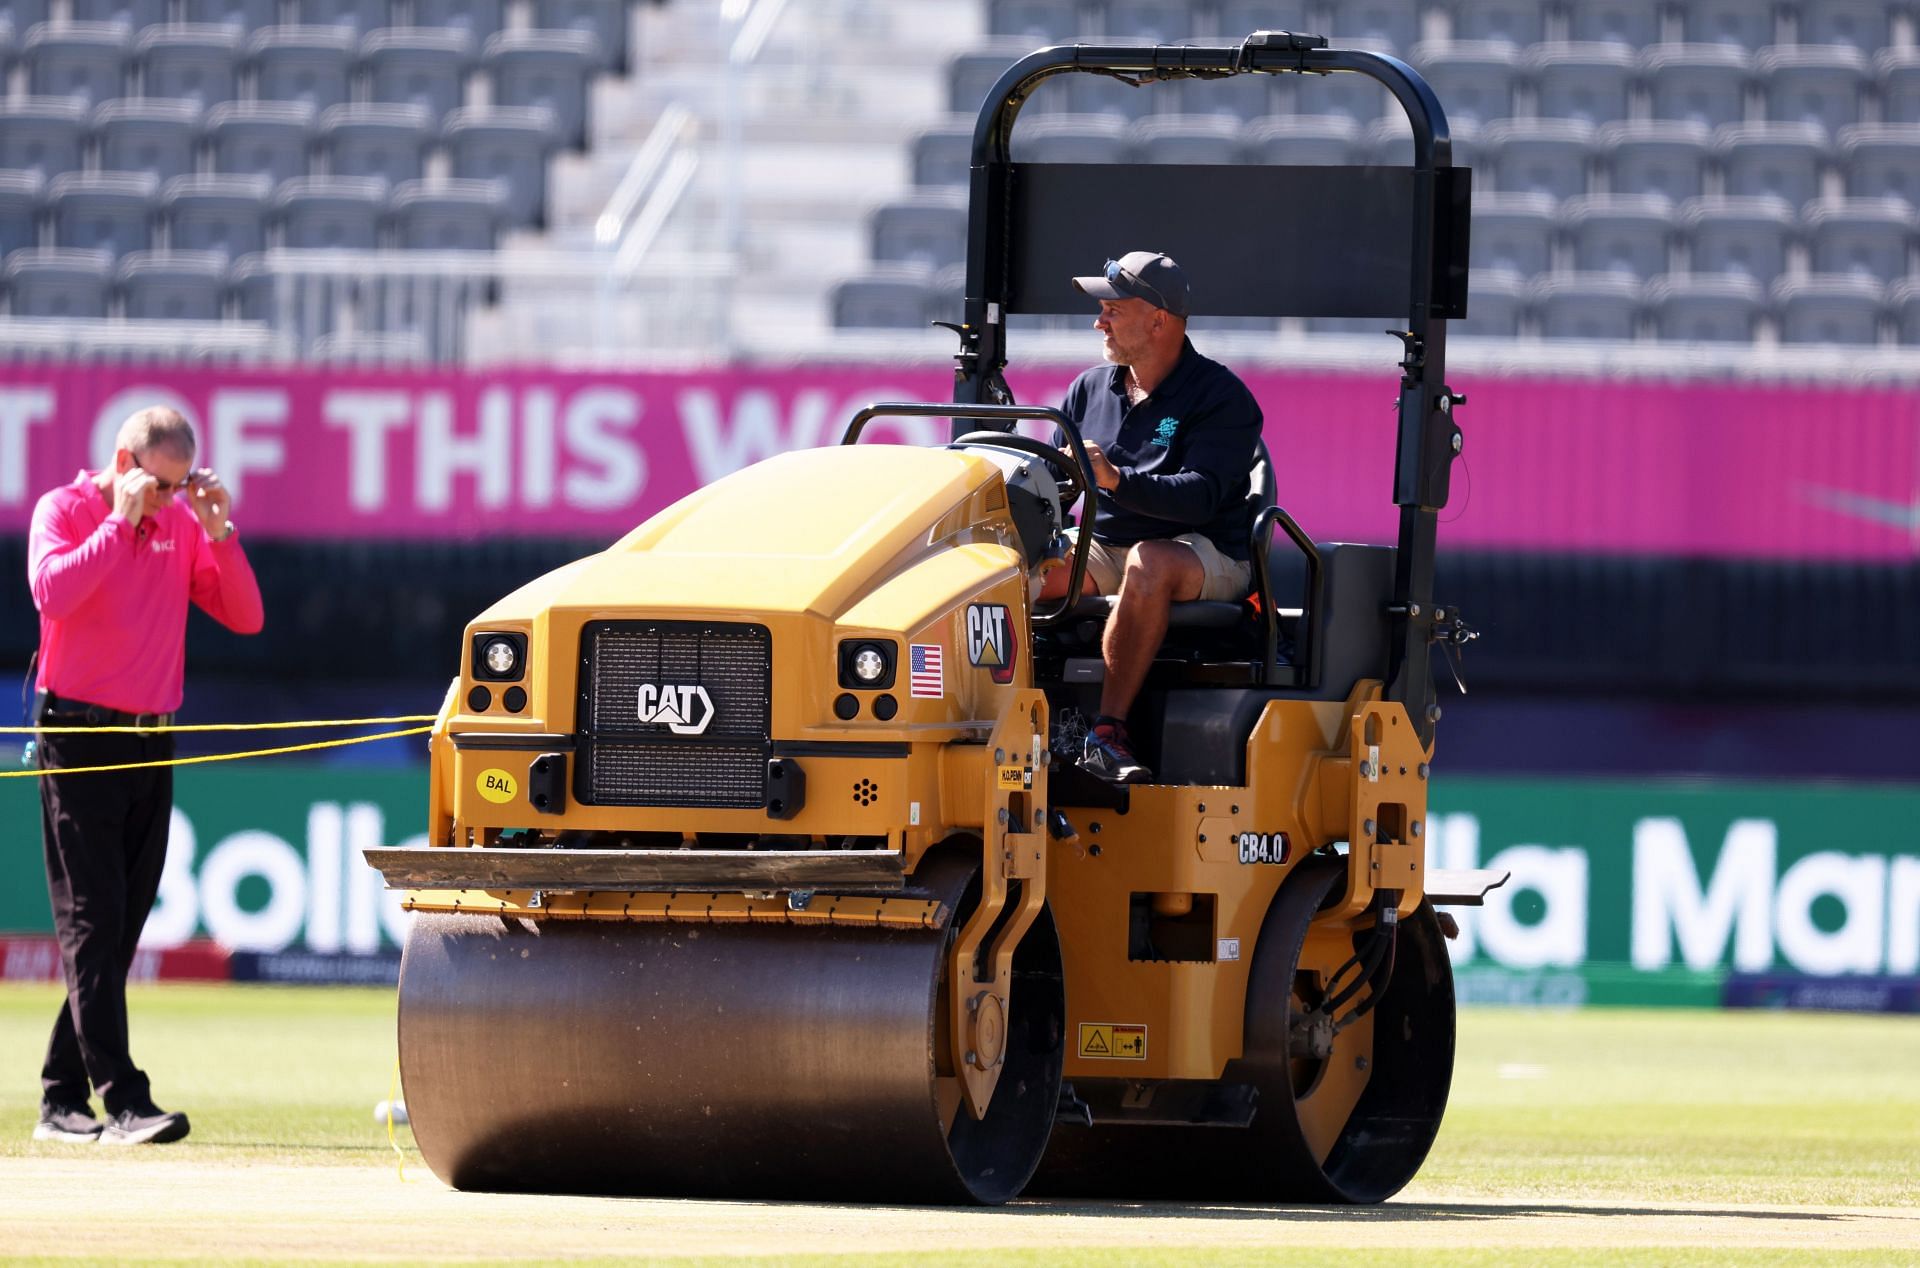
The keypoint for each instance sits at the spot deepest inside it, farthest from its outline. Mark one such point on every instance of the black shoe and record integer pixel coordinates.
(1107, 755)
(144, 1125)
(69, 1124)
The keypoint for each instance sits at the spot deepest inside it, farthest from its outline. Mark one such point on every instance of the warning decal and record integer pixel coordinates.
(1113, 1041)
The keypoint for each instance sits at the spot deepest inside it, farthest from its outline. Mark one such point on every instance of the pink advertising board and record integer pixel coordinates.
(1622, 467)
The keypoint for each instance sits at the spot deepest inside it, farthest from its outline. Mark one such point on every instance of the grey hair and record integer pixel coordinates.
(158, 427)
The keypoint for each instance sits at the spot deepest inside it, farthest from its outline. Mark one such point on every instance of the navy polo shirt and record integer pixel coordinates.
(1184, 453)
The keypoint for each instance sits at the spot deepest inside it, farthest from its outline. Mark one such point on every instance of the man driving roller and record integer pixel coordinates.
(1171, 438)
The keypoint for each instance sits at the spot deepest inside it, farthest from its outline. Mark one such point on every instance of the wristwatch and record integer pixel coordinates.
(226, 534)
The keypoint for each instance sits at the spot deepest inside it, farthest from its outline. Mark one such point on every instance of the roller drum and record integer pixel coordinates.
(749, 1060)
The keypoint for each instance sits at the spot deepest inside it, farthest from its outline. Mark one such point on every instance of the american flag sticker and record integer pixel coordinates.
(924, 677)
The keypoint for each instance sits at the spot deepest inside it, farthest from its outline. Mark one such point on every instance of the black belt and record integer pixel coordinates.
(61, 711)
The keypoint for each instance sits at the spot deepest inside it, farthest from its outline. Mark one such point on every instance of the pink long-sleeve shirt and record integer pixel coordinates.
(113, 597)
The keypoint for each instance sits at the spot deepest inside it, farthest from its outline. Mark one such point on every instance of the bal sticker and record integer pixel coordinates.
(1015, 778)
(496, 785)
(990, 643)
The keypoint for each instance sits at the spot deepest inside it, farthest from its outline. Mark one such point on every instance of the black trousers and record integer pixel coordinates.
(106, 839)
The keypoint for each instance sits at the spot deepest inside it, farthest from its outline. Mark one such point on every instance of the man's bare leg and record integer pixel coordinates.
(1158, 574)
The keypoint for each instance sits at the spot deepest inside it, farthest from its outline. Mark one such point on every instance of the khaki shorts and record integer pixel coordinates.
(1227, 580)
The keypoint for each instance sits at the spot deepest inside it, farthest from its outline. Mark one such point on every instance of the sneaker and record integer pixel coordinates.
(69, 1124)
(144, 1125)
(1108, 755)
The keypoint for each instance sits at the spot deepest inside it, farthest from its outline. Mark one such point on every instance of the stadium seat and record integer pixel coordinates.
(44, 135)
(1388, 142)
(1190, 139)
(1148, 21)
(1581, 81)
(1738, 235)
(942, 155)
(1747, 24)
(1520, 23)
(898, 298)
(1705, 308)
(376, 139)
(22, 15)
(1243, 97)
(1782, 159)
(190, 63)
(84, 60)
(1627, 234)
(367, 347)
(480, 19)
(224, 214)
(1832, 310)
(1632, 24)
(1655, 156)
(1864, 237)
(246, 15)
(605, 21)
(173, 285)
(1102, 94)
(1513, 233)
(355, 16)
(544, 68)
(1496, 304)
(1064, 138)
(152, 135)
(1546, 156)
(50, 282)
(1237, 19)
(102, 211)
(261, 138)
(1305, 140)
(1819, 85)
(971, 75)
(20, 198)
(1587, 306)
(1035, 21)
(341, 212)
(1356, 96)
(1903, 298)
(1394, 23)
(928, 229)
(302, 63)
(1864, 24)
(450, 215)
(509, 145)
(415, 67)
(1899, 72)
(1474, 80)
(132, 14)
(1881, 161)
(1698, 83)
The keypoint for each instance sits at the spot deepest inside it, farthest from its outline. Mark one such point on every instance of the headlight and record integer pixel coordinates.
(866, 664)
(501, 659)
(499, 656)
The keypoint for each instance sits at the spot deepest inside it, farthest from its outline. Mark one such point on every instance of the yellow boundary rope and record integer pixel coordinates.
(212, 726)
(393, 1094)
(212, 757)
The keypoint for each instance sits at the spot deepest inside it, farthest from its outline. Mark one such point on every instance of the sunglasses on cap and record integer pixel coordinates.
(1118, 273)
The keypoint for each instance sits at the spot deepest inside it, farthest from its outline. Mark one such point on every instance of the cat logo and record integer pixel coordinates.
(990, 642)
(682, 710)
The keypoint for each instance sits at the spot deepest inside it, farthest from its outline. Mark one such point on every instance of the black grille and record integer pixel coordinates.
(631, 762)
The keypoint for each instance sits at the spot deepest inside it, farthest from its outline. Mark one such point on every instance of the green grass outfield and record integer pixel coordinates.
(1638, 1109)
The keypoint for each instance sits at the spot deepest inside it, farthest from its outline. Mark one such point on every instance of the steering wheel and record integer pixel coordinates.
(1067, 472)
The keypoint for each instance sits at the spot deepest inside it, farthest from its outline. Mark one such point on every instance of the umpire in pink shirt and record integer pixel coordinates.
(113, 559)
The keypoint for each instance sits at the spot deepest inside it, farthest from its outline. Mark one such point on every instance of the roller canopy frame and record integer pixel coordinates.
(1262, 241)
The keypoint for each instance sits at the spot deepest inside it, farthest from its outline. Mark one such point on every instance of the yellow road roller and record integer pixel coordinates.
(760, 865)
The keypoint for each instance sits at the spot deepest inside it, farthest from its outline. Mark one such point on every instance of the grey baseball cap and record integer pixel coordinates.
(1146, 275)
